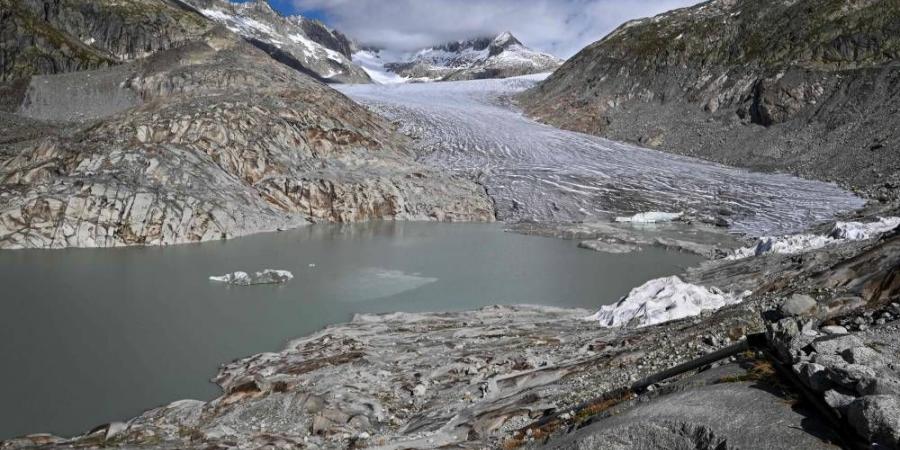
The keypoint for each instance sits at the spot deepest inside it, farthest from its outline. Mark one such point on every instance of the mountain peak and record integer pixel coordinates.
(505, 37)
(502, 42)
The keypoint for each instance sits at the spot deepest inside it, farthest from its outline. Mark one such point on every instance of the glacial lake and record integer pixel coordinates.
(89, 336)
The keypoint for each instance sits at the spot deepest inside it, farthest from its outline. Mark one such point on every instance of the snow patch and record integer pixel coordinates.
(238, 24)
(662, 300)
(650, 217)
(372, 63)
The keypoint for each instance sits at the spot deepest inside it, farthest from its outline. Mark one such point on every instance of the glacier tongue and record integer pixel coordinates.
(534, 172)
(798, 243)
(662, 300)
(858, 231)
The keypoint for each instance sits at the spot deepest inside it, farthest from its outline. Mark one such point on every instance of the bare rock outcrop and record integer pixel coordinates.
(47, 37)
(223, 141)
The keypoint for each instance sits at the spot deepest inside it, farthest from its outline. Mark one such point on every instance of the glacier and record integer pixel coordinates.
(804, 242)
(535, 172)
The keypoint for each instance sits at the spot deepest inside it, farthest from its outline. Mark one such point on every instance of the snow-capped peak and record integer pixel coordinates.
(485, 57)
(505, 39)
(503, 42)
(307, 43)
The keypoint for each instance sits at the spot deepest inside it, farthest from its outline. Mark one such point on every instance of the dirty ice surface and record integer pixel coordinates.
(537, 172)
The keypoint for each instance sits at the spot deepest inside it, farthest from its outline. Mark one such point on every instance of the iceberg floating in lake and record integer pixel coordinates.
(662, 300)
(268, 276)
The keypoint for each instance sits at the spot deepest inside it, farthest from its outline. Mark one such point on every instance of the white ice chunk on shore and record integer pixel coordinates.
(650, 217)
(662, 300)
(268, 276)
(857, 231)
(798, 243)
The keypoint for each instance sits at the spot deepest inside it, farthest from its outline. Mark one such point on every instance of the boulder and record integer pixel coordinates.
(835, 330)
(814, 375)
(798, 305)
(885, 383)
(850, 376)
(838, 400)
(782, 335)
(835, 345)
(877, 419)
(865, 356)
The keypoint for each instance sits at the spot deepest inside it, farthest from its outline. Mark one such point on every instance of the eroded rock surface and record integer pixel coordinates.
(47, 37)
(224, 142)
(417, 380)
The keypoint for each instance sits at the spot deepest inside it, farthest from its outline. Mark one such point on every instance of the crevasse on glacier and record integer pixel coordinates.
(536, 172)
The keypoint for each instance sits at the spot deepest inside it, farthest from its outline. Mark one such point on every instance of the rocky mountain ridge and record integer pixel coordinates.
(294, 40)
(42, 37)
(46, 37)
(500, 56)
(806, 87)
(207, 139)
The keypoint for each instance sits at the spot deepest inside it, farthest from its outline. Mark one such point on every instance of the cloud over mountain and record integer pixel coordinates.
(561, 27)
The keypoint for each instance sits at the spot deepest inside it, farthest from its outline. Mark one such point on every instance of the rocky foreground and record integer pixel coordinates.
(807, 87)
(204, 138)
(537, 376)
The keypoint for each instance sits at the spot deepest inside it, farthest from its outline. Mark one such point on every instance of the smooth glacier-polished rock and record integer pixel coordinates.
(225, 142)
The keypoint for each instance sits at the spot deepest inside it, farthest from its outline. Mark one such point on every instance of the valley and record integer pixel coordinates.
(232, 225)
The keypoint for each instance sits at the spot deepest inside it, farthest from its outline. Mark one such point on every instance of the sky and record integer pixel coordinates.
(560, 27)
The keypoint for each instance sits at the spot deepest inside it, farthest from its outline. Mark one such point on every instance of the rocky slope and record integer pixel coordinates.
(209, 139)
(302, 43)
(501, 56)
(809, 87)
(47, 37)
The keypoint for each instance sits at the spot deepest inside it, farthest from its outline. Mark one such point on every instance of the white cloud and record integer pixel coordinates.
(561, 27)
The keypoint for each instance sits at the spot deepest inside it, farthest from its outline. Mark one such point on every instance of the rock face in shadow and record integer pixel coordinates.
(807, 87)
(47, 37)
(224, 141)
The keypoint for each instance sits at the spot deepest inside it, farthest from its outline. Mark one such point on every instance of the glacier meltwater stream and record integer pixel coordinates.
(536, 172)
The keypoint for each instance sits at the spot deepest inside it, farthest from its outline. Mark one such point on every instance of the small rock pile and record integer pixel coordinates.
(852, 372)
(868, 319)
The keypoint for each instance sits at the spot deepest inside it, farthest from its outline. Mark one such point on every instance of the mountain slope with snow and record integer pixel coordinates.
(502, 56)
(304, 44)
